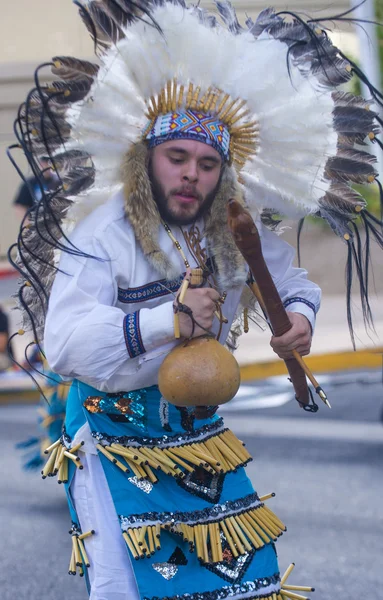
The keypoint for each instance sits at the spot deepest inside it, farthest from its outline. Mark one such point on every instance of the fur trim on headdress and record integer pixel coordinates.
(142, 211)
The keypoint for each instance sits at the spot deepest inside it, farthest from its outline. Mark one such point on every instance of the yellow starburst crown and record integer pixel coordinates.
(213, 116)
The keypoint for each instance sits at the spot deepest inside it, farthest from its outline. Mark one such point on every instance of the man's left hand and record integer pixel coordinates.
(297, 338)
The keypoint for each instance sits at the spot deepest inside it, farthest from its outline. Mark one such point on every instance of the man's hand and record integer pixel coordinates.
(297, 338)
(202, 302)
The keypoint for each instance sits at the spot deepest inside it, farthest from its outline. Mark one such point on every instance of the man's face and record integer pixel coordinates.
(185, 175)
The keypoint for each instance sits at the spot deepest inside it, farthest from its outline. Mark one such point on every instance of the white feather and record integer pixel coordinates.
(294, 115)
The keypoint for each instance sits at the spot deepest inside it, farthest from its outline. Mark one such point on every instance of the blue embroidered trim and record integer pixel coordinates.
(133, 335)
(187, 135)
(155, 289)
(303, 300)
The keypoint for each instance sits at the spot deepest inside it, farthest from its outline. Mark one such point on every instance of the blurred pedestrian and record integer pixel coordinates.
(5, 360)
(31, 190)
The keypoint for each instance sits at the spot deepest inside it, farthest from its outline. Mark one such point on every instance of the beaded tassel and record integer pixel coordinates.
(79, 557)
(57, 463)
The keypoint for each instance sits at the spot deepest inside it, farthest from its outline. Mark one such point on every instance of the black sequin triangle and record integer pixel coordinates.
(203, 484)
(178, 557)
(231, 569)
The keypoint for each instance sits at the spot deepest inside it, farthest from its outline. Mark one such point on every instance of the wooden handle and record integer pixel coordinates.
(180, 297)
(246, 237)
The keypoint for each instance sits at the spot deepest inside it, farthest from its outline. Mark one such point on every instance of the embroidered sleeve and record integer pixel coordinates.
(132, 334)
(290, 301)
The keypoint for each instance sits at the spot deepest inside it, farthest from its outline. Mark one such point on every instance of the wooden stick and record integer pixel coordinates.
(257, 293)
(83, 552)
(287, 573)
(293, 596)
(180, 298)
(82, 536)
(151, 540)
(130, 545)
(52, 446)
(48, 469)
(234, 535)
(76, 550)
(299, 588)
(72, 564)
(228, 539)
(257, 527)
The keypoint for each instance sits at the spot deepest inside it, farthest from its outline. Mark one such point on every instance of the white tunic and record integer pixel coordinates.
(86, 338)
(84, 332)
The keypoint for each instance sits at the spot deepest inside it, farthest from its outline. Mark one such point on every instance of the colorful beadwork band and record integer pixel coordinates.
(189, 125)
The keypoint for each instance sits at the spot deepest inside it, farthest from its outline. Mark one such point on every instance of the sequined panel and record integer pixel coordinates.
(164, 414)
(203, 484)
(122, 407)
(197, 516)
(143, 484)
(169, 568)
(165, 569)
(249, 589)
(178, 557)
(230, 569)
(201, 434)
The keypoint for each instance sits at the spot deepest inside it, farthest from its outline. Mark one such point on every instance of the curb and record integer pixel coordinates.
(318, 363)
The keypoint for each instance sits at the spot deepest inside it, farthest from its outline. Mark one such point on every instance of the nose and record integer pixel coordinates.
(190, 172)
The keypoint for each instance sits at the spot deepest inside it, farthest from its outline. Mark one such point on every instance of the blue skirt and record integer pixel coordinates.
(192, 522)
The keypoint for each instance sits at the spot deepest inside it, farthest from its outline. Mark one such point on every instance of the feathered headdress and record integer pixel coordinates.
(267, 95)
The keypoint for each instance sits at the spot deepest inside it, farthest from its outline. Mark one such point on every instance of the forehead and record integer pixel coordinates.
(192, 148)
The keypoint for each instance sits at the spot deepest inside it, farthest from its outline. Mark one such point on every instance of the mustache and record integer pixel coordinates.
(187, 190)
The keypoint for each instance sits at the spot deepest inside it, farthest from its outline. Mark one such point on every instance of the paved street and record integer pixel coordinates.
(326, 470)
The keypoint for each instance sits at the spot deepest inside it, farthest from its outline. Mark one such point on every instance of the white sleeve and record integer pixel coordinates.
(86, 335)
(298, 294)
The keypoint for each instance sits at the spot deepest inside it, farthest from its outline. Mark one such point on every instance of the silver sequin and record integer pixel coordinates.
(142, 484)
(165, 569)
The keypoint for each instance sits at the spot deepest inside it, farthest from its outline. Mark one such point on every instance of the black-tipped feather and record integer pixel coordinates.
(351, 165)
(229, 16)
(344, 200)
(73, 69)
(65, 92)
(299, 233)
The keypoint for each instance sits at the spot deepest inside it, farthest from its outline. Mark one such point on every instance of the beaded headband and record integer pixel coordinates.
(192, 125)
(210, 116)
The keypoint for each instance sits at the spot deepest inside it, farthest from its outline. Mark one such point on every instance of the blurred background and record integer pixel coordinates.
(325, 468)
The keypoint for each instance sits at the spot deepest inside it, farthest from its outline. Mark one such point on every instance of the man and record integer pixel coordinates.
(108, 327)
(182, 116)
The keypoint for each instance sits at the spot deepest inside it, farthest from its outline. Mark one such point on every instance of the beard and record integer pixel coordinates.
(171, 216)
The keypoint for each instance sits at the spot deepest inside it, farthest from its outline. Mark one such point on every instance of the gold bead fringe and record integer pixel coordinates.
(57, 463)
(220, 453)
(79, 558)
(230, 111)
(250, 529)
(288, 592)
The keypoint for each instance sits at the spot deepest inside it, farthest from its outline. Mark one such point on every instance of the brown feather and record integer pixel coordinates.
(70, 68)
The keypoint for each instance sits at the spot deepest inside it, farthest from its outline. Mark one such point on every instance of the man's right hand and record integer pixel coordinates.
(202, 302)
